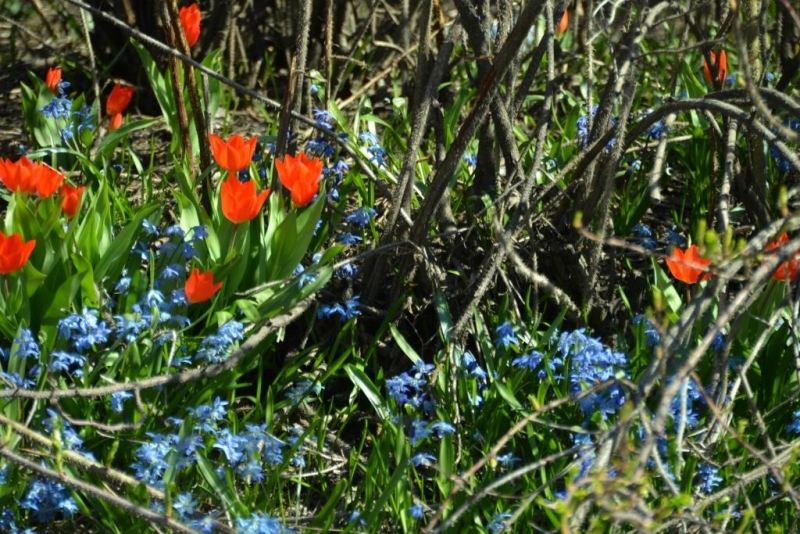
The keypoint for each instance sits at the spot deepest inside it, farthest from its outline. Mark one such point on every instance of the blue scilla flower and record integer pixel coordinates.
(505, 336)
(198, 233)
(207, 415)
(683, 405)
(302, 390)
(471, 159)
(507, 460)
(707, 477)
(304, 277)
(675, 239)
(657, 130)
(84, 331)
(58, 108)
(531, 361)
(215, 348)
(361, 217)
(652, 338)
(68, 362)
(497, 523)
(348, 239)
(340, 168)
(423, 459)
(151, 458)
(324, 117)
(150, 228)
(348, 270)
(251, 471)
(118, 398)
(419, 431)
(795, 425)
(321, 147)
(17, 381)
(442, 428)
(472, 367)
(46, 498)
(641, 230)
(259, 523)
(415, 511)
(378, 155)
(368, 138)
(591, 363)
(27, 347)
(231, 446)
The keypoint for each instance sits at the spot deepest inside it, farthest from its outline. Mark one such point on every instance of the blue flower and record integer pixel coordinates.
(230, 444)
(531, 361)
(348, 239)
(198, 232)
(207, 415)
(652, 337)
(324, 117)
(471, 159)
(27, 347)
(415, 511)
(302, 390)
(356, 517)
(83, 331)
(368, 138)
(361, 217)
(46, 498)
(423, 458)
(259, 523)
(505, 336)
(507, 460)
(472, 367)
(150, 228)
(707, 477)
(497, 523)
(442, 427)
(118, 398)
(419, 431)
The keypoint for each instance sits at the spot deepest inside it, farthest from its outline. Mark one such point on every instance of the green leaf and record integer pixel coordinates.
(366, 386)
(221, 489)
(507, 395)
(407, 349)
(116, 255)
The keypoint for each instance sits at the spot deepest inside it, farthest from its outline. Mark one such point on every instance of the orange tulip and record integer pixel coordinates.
(564, 24)
(300, 176)
(18, 175)
(190, 20)
(14, 252)
(788, 269)
(200, 286)
(119, 99)
(115, 122)
(71, 199)
(235, 154)
(239, 200)
(47, 179)
(722, 66)
(53, 78)
(687, 266)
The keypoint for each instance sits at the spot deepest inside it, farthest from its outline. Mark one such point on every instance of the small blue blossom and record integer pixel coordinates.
(423, 459)
(27, 347)
(497, 523)
(118, 398)
(348, 239)
(361, 217)
(419, 431)
(368, 138)
(707, 477)
(471, 159)
(442, 427)
(415, 511)
(150, 228)
(505, 336)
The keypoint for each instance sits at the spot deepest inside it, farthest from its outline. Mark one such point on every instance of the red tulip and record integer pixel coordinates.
(53, 78)
(14, 252)
(190, 20)
(119, 99)
(239, 200)
(200, 286)
(564, 24)
(71, 199)
(788, 269)
(688, 266)
(115, 122)
(300, 176)
(18, 175)
(722, 66)
(47, 179)
(235, 154)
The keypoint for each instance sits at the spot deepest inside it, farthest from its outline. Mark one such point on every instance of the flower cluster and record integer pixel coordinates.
(33, 178)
